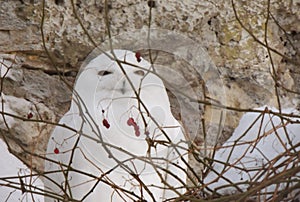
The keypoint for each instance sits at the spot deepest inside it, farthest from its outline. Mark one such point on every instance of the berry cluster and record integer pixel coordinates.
(131, 122)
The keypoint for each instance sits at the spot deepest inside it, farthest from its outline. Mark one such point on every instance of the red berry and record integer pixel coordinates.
(137, 133)
(130, 122)
(105, 123)
(138, 56)
(56, 150)
(29, 115)
(137, 130)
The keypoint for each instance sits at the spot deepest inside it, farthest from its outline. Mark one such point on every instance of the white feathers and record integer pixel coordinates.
(128, 146)
(260, 148)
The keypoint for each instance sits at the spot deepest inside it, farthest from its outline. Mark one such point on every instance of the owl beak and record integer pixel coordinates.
(123, 90)
(123, 87)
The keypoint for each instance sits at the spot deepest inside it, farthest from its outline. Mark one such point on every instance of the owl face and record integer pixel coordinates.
(128, 89)
(125, 77)
(103, 81)
(124, 81)
(123, 85)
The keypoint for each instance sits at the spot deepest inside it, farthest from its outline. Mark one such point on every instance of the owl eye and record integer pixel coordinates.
(140, 72)
(104, 72)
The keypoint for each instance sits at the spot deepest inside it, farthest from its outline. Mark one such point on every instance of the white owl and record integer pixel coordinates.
(126, 146)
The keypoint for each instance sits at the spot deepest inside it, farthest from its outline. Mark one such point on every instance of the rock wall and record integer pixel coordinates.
(233, 33)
